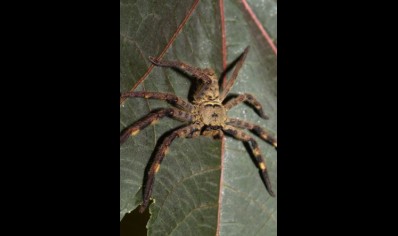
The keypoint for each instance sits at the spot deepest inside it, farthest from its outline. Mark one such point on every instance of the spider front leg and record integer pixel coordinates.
(240, 135)
(231, 81)
(246, 98)
(262, 133)
(170, 98)
(160, 154)
(193, 71)
(152, 118)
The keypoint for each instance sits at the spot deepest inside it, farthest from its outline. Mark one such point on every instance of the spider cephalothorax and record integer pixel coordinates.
(206, 115)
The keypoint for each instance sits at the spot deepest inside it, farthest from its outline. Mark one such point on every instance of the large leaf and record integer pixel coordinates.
(189, 198)
(246, 207)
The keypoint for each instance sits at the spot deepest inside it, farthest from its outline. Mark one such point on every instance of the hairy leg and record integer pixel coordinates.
(152, 118)
(170, 98)
(231, 81)
(246, 98)
(160, 154)
(262, 133)
(240, 135)
(193, 71)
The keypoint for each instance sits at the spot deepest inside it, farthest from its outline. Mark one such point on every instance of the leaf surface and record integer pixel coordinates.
(246, 207)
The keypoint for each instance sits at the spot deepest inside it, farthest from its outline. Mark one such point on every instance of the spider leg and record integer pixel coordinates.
(193, 71)
(170, 98)
(160, 154)
(240, 135)
(246, 98)
(152, 118)
(262, 133)
(231, 81)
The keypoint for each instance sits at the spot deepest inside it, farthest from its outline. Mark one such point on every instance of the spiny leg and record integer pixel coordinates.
(240, 135)
(152, 118)
(160, 154)
(193, 71)
(231, 81)
(262, 133)
(246, 98)
(170, 98)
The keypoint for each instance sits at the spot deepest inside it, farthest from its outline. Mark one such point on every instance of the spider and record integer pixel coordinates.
(206, 115)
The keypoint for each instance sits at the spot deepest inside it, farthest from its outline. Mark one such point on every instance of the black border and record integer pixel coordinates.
(62, 91)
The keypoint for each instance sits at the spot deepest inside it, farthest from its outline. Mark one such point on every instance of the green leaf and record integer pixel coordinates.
(246, 207)
(187, 187)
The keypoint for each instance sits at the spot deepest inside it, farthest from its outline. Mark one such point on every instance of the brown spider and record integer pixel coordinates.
(206, 115)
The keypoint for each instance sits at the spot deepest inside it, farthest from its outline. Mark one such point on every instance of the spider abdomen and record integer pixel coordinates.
(212, 114)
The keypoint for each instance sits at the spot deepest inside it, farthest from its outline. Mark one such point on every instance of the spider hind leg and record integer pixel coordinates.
(242, 136)
(154, 167)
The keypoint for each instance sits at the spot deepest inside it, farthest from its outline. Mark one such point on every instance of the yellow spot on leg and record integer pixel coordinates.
(166, 151)
(256, 152)
(157, 167)
(274, 144)
(135, 132)
(154, 122)
(262, 166)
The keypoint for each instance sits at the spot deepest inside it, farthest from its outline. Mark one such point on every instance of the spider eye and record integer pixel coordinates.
(209, 71)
